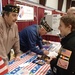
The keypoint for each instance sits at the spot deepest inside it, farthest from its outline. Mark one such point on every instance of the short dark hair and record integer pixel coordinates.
(5, 12)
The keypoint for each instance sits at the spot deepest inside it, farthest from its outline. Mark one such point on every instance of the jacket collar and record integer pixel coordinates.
(66, 38)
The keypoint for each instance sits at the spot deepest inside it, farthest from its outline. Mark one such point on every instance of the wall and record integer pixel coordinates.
(54, 4)
(64, 6)
(4, 2)
(36, 1)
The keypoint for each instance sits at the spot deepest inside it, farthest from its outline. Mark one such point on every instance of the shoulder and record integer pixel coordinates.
(71, 43)
(32, 27)
(72, 40)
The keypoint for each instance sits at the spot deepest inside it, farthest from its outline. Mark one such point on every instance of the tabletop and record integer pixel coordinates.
(26, 66)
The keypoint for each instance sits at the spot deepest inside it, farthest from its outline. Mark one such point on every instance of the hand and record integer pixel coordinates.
(46, 42)
(48, 61)
(17, 58)
(45, 52)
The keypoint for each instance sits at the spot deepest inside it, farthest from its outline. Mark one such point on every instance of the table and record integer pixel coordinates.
(51, 37)
(26, 67)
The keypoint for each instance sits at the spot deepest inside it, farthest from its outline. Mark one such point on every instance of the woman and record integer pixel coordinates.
(64, 64)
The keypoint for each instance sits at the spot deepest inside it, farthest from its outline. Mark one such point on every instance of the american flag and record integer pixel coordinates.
(30, 69)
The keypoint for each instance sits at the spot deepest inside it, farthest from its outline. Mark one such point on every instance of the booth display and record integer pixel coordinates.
(26, 13)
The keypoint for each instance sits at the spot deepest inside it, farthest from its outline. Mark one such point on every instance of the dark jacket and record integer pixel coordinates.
(29, 38)
(67, 42)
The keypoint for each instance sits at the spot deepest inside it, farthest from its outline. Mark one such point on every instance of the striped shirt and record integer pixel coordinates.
(3, 67)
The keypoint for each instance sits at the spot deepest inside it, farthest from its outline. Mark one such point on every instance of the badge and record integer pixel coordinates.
(63, 60)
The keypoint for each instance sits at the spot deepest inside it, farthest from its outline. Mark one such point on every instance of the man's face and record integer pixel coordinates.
(42, 31)
(11, 18)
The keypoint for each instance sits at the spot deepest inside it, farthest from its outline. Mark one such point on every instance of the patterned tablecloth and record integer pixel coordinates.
(26, 67)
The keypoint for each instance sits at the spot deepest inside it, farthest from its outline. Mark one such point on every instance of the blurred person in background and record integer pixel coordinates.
(71, 11)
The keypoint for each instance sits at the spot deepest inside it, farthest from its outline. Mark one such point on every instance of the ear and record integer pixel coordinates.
(70, 26)
(42, 28)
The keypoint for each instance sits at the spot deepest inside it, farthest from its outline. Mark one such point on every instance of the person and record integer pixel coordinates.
(30, 38)
(71, 11)
(64, 63)
(9, 38)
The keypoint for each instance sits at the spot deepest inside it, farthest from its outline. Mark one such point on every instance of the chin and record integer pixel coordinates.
(13, 22)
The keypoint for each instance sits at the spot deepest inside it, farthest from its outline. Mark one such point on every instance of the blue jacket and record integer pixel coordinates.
(29, 38)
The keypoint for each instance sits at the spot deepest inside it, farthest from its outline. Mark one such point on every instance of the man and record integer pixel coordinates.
(30, 38)
(9, 32)
(71, 11)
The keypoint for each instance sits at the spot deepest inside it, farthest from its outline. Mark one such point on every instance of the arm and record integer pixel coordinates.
(32, 42)
(39, 42)
(32, 39)
(16, 45)
(3, 53)
(37, 50)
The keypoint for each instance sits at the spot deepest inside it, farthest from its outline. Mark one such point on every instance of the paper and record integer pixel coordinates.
(52, 54)
(24, 64)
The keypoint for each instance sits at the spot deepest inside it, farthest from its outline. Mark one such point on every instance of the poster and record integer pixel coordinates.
(26, 12)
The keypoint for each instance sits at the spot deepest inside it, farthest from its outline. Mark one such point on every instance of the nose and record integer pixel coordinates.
(16, 18)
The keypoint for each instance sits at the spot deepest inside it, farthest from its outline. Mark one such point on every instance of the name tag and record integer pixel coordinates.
(63, 60)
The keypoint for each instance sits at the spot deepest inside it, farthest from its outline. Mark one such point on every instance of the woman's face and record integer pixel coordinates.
(64, 30)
